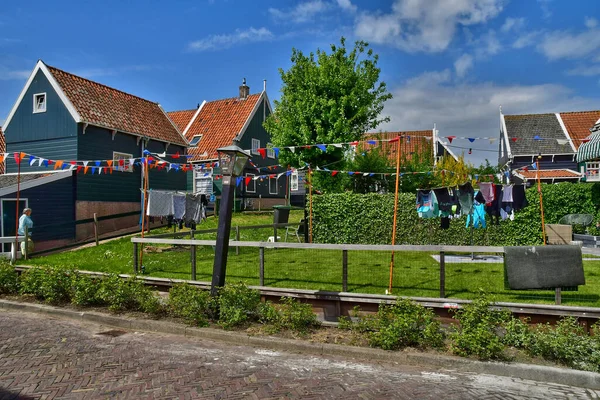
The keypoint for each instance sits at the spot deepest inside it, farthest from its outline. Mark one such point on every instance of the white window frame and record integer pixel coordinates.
(117, 155)
(294, 181)
(192, 144)
(37, 110)
(255, 146)
(276, 185)
(592, 171)
(270, 151)
(253, 182)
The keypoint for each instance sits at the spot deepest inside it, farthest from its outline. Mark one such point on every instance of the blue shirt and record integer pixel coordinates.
(25, 221)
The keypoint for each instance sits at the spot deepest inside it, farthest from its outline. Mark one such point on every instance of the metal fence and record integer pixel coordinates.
(459, 272)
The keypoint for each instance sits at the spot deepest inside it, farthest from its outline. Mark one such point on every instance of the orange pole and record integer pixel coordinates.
(144, 206)
(395, 215)
(541, 199)
(17, 207)
(310, 215)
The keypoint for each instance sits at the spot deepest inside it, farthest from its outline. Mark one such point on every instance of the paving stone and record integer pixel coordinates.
(42, 356)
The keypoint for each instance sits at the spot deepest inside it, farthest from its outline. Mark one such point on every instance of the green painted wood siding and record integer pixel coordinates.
(168, 180)
(98, 144)
(51, 149)
(55, 123)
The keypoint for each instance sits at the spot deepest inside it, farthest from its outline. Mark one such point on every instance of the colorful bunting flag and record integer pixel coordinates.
(322, 147)
(262, 152)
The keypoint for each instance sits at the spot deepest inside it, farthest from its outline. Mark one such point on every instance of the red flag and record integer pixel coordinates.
(17, 158)
(585, 140)
(247, 180)
(79, 168)
(395, 139)
(514, 139)
(450, 138)
(355, 143)
(176, 155)
(121, 162)
(262, 152)
(73, 162)
(334, 173)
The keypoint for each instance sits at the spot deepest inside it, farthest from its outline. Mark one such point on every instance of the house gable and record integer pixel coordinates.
(59, 120)
(578, 124)
(521, 130)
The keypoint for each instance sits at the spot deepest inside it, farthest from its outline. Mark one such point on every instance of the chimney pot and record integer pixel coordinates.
(244, 90)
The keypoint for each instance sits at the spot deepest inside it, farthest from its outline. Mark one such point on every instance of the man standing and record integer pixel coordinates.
(26, 222)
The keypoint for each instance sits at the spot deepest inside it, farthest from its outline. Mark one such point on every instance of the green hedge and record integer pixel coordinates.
(367, 219)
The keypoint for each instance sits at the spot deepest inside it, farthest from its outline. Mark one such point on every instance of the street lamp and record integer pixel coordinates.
(232, 161)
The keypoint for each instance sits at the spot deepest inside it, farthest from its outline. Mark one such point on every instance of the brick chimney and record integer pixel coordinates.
(244, 90)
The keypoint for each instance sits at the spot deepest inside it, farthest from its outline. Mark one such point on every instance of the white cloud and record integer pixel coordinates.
(346, 5)
(591, 22)
(545, 6)
(488, 45)
(560, 44)
(590, 70)
(7, 74)
(527, 39)
(218, 42)
(513, 24)
(464, 109)
(463, 64)
(303, 12)
(415, 25)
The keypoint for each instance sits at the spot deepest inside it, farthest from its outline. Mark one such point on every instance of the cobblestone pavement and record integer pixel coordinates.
(47, 357)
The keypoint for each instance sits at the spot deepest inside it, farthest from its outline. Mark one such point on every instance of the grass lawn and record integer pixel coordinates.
(415, 273)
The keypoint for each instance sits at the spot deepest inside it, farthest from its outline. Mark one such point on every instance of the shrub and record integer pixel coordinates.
(9, 280)
(478, 331)
(567, 343)
(400, 325)
(128, 295)
(190, 303)
(52, 284)
(517, 333)
(86, 290)
(238, 305)
(290, 314)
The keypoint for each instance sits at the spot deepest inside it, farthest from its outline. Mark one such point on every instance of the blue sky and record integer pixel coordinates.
(449, 62)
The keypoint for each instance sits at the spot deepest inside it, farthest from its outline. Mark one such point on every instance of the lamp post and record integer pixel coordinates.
(232, 160)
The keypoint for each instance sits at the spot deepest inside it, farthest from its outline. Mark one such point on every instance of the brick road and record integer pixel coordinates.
(46, 357)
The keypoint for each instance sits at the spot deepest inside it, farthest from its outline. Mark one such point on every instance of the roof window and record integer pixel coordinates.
(195, 140)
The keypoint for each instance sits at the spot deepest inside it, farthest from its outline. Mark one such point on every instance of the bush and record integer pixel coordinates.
(128, 295)
(9, 280)
(238, 305)
(478, 331)
(190, 303)
(403, 324)
(336, 220)
(517, 333)
(86, 290)
(52, 284)
(567, 343)
(290, 314)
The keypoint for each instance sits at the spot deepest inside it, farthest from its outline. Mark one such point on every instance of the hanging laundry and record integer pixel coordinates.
(160, 204)
(519, 198)
(487, 191)
(493, 208)
(178, 206)
(507, 194)
(478, 216)
(465, 198)
(444, 200)
(427, 206)
(193, 208)
(445, 223)
(506, 209)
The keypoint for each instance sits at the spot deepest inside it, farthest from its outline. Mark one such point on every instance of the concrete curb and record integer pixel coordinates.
(538, 373)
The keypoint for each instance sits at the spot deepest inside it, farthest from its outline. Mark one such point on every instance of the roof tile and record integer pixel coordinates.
(525, 127)
(219, 122)
(98, 104)
(549, 174)
(579, 123)
(181, 118)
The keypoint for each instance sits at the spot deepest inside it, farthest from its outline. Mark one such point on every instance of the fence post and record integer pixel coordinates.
(261, 262)
(193, 256)
(275, 232)
(25, 247)
(135, 258)
(442, 274)
(96, 229)
(557, 296)
(237, 239)
(344, 270)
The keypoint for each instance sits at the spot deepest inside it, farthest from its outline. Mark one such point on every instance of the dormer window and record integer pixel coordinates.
(39, 103)
(195, 140)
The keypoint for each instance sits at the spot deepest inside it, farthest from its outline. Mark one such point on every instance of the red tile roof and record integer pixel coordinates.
(413, 142)
(550, 174)
(181, 118)
(2, 149)
(219, 122)
(101, 105)
(579, 123)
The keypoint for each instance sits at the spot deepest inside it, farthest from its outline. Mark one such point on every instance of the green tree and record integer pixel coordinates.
(327, 98)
